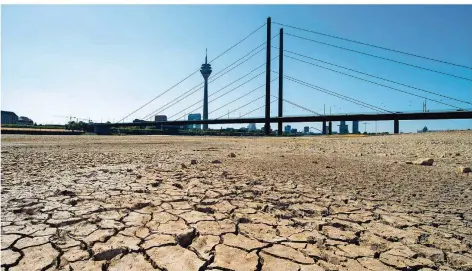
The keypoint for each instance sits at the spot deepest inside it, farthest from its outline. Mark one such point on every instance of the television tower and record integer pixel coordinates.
(206, 71)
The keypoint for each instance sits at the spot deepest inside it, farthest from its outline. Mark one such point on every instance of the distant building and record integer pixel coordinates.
(251, 127)
(25, 121)
(306, 129)
(138, 121)
(287, 128)
(9, 117)
(294, 131)
(196, 116)
(355, 127)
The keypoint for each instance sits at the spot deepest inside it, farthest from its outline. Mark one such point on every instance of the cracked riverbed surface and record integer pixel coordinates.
(213, 203)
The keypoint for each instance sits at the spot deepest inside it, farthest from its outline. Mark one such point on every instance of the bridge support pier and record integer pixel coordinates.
(324, 128)
(101, 130)
(396, 126)
(330, 128)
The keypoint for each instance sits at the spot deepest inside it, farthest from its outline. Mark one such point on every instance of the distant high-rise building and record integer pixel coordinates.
(287, 128)
(205, 71)
(355, 127)
(251, 127)
(306, 129)
(196, 116)
(293, 131)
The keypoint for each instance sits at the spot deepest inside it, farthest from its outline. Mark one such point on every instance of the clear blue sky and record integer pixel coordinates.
(104, 61)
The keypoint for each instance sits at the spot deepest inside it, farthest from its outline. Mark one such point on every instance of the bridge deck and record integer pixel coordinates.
(350, 117)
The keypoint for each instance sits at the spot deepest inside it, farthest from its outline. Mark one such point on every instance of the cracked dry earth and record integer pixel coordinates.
(320, 203)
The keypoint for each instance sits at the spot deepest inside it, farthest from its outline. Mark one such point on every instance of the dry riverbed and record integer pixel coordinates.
(320, 203)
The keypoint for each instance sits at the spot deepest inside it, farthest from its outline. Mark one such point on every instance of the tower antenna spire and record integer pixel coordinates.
(205, 71)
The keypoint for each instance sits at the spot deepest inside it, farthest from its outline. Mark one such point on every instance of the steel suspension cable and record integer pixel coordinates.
(166, 106)
(199, 86)
(343, 97)
(141, 107)
(229, 49)
(332, 93)
(239, 42)
(299, 106)
(256, 109)
(379, 57)
(242, 106)
(241, 97)
(372, 82)
(375, 46)
(216, 93)
(231, 90)
(349, 69)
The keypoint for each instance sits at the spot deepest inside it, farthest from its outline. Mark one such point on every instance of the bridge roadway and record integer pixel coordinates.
(396, 117)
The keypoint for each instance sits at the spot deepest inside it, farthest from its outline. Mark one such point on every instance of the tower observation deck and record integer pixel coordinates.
(206, 71)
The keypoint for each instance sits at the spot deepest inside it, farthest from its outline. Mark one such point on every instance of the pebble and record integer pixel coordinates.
(424, 162)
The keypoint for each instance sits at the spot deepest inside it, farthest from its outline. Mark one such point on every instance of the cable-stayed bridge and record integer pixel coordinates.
(456, 108)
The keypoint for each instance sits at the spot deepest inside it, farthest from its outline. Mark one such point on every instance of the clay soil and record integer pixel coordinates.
(318, 203)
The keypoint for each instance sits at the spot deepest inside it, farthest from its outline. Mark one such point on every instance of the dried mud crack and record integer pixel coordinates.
(188, 203)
